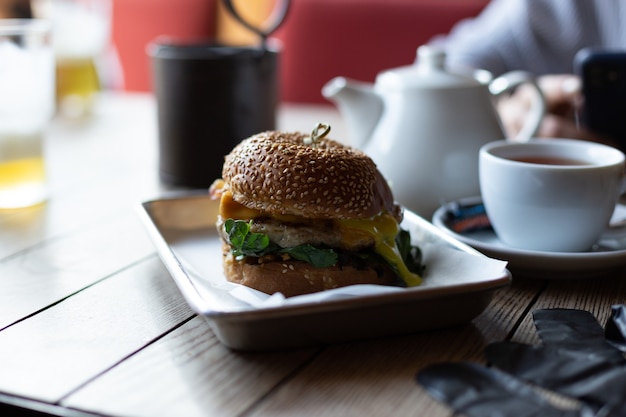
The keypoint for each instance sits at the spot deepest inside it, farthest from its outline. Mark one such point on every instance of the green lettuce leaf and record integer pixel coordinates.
(320, 258)
(411, 255)
(245, 243)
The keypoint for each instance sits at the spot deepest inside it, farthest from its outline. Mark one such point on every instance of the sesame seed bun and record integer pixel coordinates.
(297, 193)
(278, 173)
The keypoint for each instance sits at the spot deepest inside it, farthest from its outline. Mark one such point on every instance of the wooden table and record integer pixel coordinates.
(91, 321)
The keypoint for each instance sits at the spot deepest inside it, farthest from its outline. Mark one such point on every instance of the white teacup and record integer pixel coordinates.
(550, 194)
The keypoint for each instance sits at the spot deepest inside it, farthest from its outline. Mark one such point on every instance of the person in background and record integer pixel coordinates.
(542, 37)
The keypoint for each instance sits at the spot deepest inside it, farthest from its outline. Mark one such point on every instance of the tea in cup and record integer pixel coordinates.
(554, 195)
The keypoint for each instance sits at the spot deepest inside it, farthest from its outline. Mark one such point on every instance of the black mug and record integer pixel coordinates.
(210, 97)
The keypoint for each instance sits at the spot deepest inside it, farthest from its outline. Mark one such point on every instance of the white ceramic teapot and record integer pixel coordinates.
(424, 125)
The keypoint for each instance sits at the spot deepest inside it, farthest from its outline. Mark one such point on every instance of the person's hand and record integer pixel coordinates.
(563, 100)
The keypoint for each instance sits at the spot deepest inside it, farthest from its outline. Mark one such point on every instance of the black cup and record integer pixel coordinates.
(209, 97)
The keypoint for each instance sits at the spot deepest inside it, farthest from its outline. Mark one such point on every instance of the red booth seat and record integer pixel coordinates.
(358, 38)
(135, 23)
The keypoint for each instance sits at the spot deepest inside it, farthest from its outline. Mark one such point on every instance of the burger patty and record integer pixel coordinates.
(316, 233)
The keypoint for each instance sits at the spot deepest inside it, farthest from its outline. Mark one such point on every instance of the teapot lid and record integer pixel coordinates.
(429, 71)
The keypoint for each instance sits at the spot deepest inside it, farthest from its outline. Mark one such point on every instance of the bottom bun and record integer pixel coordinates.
(293, 278)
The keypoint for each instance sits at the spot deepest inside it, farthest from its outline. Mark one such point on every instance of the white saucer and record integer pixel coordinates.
(608, 254)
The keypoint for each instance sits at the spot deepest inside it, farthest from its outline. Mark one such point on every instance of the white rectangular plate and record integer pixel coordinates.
(182, 228)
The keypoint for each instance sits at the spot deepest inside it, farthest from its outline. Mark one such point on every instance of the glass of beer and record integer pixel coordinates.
(81, 35)
(26, 108)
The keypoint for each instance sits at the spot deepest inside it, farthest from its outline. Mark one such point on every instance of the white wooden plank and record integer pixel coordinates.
(188, 373)
(47, 273)
(64, 346)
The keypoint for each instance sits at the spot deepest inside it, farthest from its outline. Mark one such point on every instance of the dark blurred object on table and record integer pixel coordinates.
(15, 9)
(209, 97)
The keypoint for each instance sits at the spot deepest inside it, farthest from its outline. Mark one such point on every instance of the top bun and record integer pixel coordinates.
(279, 173)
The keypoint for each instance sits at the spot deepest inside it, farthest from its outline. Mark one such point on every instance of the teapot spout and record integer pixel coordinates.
(360, 106)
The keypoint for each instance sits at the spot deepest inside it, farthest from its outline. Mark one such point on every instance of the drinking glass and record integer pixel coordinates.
(81, 34)
(26, 108)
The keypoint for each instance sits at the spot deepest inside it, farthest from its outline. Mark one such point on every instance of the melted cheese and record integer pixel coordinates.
(230, 209)
(383, 228)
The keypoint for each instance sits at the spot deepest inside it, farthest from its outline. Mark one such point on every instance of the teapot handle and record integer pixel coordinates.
(510, 80)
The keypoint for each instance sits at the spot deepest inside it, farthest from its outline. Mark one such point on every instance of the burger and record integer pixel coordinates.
(303, 213)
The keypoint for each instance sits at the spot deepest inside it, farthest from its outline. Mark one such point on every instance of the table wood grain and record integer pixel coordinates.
(91, 322)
